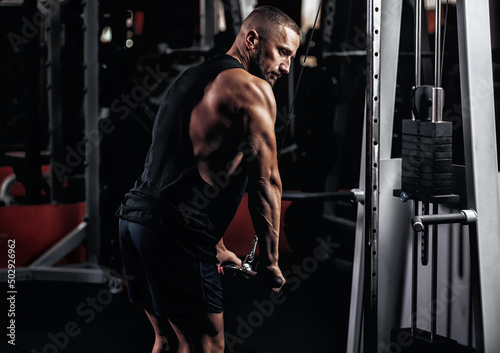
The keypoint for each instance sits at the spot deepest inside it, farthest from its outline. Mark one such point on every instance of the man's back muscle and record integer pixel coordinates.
(219, 122)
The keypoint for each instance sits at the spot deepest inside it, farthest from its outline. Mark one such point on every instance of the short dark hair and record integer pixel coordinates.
(268, 19)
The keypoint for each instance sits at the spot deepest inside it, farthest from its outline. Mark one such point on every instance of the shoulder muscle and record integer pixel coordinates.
(245, 93)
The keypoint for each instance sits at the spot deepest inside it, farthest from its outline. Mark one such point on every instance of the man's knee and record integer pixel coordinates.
(214, 344)
(215, 334)
(205, 331)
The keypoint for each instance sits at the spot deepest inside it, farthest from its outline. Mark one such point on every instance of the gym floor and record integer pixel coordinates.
(309, 315)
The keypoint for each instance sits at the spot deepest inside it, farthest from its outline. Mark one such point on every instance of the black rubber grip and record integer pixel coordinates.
(276, 282)
(232, 269)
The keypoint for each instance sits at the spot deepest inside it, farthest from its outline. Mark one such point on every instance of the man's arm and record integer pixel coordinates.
(225, 255)
(264, 188)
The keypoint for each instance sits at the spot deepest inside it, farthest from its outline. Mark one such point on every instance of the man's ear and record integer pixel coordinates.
(251, 39)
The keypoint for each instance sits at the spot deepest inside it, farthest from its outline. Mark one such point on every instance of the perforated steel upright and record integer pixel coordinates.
(372, 176)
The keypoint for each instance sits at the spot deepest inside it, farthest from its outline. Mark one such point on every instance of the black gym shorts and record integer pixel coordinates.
(164, 278)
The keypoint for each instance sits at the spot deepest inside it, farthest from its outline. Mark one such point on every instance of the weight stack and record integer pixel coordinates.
(426, 158)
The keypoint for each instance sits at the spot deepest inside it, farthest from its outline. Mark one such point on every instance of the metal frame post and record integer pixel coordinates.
(482, 178)
(357, 282)
(374, 19)
(91, 114)
(379, 245)
(53, 30)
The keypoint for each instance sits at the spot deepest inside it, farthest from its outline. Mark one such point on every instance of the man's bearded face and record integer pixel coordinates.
(257, 68)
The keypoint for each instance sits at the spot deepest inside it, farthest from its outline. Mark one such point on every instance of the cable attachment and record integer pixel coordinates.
(247, 270)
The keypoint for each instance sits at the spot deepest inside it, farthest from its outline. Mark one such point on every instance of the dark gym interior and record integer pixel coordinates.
(76, 118)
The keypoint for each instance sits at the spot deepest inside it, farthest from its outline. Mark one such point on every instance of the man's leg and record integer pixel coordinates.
(203, 334)
(165, 337)
(133, 238)
(152, 263)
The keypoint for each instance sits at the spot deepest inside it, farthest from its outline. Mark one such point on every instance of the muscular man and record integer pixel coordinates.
(213, 140)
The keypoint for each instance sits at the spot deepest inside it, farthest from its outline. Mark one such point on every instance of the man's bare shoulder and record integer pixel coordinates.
(241, 85)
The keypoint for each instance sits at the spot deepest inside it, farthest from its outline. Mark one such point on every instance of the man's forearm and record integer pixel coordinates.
(265, 209)
(220, 247)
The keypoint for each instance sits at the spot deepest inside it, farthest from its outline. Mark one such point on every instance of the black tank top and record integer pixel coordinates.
(170, 195)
